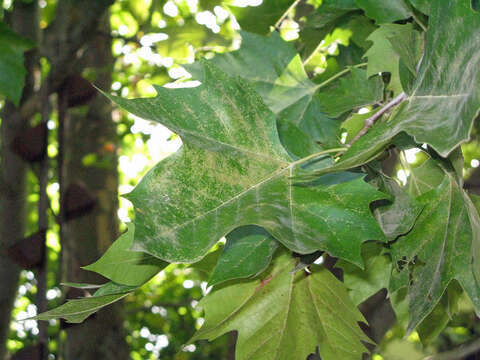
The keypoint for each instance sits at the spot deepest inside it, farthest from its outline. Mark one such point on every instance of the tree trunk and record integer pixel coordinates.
(89, 231)
(23, 20)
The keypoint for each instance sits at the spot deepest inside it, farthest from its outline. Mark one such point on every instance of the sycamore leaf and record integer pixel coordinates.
(352, 91)
(233, 171)
(259, 19)
(440, 247)
(123, 266)
(12, 70)
(286, 313)
(248, 252)
(385, 11)
(445, 97)
(77, 310)
(362, 284)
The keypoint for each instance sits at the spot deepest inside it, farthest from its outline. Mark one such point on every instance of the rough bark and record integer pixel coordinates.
(92, 131)
(23, 20)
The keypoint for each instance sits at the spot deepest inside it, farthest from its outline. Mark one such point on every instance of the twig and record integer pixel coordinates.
(459, 353)
(371, 120)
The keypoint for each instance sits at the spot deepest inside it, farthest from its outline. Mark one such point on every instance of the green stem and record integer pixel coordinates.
(313, 156)
(337, 75)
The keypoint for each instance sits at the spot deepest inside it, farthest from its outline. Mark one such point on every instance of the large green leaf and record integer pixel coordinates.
(233, 171)
(284, 314)
(77, 310)
(248, 252)
(12, 70)
(123, 266)
(385, 11)
(440, 245)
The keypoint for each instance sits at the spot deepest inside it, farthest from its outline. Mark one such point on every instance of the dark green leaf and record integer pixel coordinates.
(248, 252)
(284, 314)
(124, 266)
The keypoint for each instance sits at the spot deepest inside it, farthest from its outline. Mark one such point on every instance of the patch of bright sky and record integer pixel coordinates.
(411, 155)
(170, 9)
(402, 175)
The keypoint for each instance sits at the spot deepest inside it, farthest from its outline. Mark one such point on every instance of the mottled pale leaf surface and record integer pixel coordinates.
(445, 98)
(352, 91)
(259, 19)
(12, 70)
(279, 77)
(382, 57)
(77, 310)
(286, 314)
(233, 171)
(248, 252)
(362, 284)
(396, 216)
(385, 11)
(124, 266)
(441, 241)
